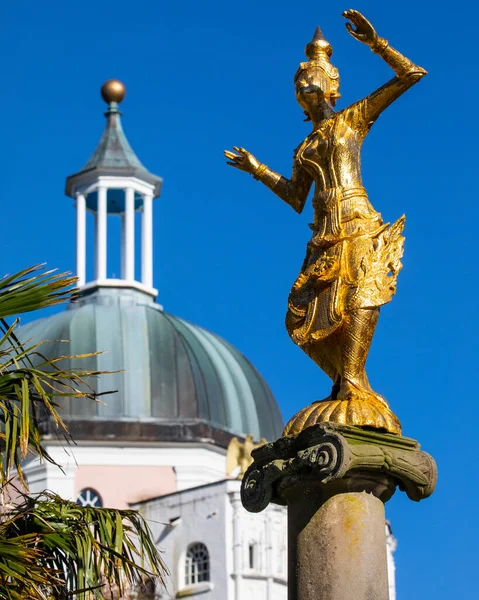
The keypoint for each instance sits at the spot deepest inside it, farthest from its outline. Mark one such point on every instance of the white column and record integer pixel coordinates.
(129, 239)
(81, 239)
(391, 545)
(100, 235)
(147, 241)
(123, 245)
(269, 554)
(237, 545)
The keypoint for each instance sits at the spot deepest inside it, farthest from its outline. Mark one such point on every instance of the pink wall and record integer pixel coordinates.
(12, 493)
(118, 486)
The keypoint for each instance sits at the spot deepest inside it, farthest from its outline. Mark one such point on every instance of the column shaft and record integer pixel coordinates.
(336, 547)
(81, 239)
(100, 235)
(237, 546)
(129, 241)
(147, 241)
(123, 245)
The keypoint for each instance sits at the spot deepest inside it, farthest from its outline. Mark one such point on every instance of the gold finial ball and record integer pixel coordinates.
(113, 91)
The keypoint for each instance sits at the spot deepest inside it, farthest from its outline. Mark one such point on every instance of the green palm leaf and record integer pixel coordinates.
(51, 548)
(25, 291)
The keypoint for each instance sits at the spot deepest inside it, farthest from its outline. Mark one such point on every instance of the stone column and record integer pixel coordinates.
(335, 480)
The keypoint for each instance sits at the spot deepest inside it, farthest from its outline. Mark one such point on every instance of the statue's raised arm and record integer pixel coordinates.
(353, 258)
(407, 73)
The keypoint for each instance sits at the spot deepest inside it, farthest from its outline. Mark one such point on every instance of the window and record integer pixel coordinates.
(197, 564)
(252, 555)
(89, 497)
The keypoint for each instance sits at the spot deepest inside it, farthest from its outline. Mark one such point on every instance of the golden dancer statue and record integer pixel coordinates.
(353, 258)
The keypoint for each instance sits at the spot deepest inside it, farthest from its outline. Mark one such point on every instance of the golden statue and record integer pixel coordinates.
(238, 456)
(353, 258)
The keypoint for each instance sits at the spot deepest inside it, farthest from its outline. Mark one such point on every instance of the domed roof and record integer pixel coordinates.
(178, 381)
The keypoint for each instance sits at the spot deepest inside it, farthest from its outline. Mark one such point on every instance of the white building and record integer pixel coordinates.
(159, 443)
(218, 547)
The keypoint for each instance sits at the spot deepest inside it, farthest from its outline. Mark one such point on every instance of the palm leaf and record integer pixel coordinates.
(51, 548)
(25, 291)
(29, 384)
(56, 546)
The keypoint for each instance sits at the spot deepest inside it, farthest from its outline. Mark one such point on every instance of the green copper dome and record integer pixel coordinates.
(177, 381)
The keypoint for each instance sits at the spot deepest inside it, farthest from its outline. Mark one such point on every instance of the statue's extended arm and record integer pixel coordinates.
(293, 191)
(407, 73)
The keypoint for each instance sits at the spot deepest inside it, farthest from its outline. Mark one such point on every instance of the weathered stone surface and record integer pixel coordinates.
(354, 458)
(337, 548)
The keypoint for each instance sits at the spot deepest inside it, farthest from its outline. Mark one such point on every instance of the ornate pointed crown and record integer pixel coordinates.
(319, 52)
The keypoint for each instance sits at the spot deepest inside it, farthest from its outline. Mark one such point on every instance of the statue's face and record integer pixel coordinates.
(312, 87)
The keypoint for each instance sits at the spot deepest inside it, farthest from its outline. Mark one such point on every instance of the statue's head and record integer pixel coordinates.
(317, 79)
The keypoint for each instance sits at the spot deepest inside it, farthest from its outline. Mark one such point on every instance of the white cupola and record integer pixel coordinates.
(114, 182)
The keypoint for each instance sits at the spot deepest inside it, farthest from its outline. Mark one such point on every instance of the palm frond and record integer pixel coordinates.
(50, 547)
(27, 291)
(29, 385)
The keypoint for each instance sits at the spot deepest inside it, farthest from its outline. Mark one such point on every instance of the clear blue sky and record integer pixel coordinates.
(202, 76)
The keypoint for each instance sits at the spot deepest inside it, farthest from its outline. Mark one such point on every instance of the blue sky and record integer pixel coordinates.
(204, 76)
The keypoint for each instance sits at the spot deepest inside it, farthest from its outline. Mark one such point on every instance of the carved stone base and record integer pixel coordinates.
(334, 480)
(329, 453)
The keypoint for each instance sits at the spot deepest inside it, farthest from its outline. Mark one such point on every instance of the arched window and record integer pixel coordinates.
(197, 564)
(89, 497)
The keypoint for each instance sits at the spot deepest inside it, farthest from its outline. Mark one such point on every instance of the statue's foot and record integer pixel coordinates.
(352, 406)
(350, 391)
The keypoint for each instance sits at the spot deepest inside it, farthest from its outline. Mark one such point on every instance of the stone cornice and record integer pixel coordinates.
(349, 458)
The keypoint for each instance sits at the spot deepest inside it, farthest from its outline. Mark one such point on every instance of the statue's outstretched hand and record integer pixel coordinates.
(243, 160)
(364, 31)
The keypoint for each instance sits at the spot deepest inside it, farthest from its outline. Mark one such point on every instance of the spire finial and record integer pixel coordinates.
(113, 90)
(318, 34)
(318, 46)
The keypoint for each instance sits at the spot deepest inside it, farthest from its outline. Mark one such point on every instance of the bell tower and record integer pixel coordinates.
(114, 182)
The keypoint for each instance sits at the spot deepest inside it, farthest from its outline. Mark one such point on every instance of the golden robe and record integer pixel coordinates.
(353, 258)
